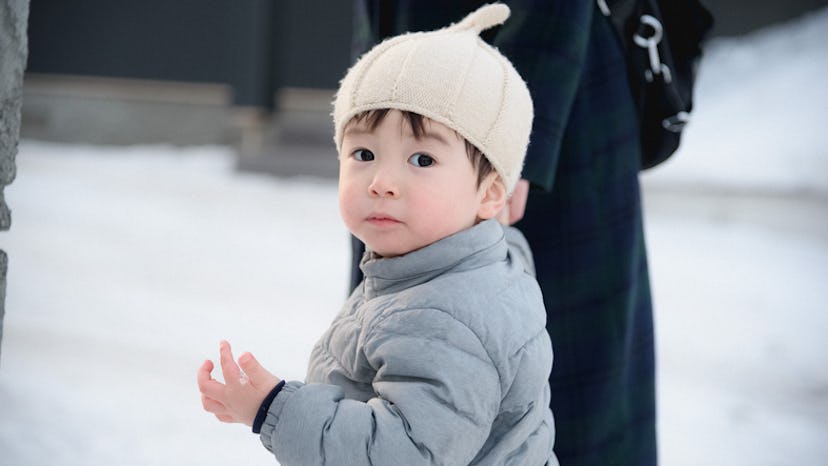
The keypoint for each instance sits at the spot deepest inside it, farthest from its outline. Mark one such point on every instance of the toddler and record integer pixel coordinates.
(441, 355)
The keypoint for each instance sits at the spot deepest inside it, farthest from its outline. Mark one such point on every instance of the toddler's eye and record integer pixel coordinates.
(421, 160)
(363, 155)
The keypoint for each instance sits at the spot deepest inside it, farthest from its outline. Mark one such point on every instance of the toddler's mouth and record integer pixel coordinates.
(382, 220)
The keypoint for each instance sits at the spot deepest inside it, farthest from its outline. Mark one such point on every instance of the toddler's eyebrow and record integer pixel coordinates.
(357, 129)
(434, 135)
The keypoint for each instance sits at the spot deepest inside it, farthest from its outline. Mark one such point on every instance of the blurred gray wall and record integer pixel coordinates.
(217, 71)
(14, 16)
(738, 17)
(252, 46)
(182, 71)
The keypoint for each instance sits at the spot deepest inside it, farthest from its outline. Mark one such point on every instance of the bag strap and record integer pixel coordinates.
(619, 11)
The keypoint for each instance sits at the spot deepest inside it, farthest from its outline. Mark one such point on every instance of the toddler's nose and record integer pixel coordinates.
(384, 185)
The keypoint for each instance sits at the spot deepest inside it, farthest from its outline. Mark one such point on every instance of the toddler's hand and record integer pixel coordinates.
(244, 388)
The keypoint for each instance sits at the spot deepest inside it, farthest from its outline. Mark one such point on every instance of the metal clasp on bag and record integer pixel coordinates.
(651, 44)
(676, 123)
(602, 5)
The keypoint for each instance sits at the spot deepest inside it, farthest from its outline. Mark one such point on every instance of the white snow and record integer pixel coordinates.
(128, 265)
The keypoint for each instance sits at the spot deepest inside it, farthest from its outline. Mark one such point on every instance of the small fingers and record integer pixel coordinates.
(259, 376)
(205, 370)
(251, 367)
(203, 375)
(206, 384)
(229, 368)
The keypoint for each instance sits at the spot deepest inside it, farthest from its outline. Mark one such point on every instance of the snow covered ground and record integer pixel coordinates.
(127, 265)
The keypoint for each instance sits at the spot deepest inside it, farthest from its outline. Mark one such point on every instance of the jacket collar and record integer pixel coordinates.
(468, 249)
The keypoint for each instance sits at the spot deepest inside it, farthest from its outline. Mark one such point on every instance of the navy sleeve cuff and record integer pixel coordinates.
(262, 413)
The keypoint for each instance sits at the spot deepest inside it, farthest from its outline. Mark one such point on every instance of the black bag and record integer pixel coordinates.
(662, 40)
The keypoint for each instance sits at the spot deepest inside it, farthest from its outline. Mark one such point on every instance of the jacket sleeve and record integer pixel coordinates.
(438, 393)
(547, 43)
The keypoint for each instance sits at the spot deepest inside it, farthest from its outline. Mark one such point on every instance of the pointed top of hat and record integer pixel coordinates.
(483, 18)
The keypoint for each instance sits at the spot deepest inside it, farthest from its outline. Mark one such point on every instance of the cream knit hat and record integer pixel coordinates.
(450, 76)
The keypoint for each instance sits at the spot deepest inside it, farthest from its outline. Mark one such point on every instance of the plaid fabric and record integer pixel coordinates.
(584, 224)
(583, 218)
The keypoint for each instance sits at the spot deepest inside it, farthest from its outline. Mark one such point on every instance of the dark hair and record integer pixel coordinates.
(373, 118)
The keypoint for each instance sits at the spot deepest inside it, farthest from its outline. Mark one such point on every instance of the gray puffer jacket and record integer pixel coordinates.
(441, 356)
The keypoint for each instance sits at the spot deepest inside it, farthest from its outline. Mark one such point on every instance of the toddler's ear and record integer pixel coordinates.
(494, 196)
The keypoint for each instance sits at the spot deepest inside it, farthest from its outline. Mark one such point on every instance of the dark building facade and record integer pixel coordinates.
(213, 71)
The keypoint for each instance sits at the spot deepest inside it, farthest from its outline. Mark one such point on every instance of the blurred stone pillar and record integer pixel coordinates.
(14, 18)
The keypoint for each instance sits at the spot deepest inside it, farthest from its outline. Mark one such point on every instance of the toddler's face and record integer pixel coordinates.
(398, 193)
